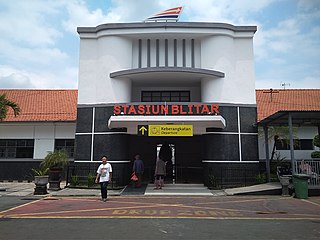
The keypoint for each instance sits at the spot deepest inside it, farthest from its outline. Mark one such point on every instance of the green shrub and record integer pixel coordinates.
(56, 160)
(316, 141)
(74, 180)
(40, 171)
(261, 178)
(211, 181)
(315, 154)
(91, 179)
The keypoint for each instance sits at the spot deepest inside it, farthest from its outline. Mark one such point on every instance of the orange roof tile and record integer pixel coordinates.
(61, 105)
(43, 105)
(286, 100)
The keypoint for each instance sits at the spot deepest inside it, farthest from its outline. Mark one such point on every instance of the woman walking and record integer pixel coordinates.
(159, 173)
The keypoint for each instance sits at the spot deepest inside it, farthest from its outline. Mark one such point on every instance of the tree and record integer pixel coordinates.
(280, 134)
(5, 104)
(316, 142)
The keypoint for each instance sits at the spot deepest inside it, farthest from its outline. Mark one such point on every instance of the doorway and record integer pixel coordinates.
(170, 163)
(186, 161)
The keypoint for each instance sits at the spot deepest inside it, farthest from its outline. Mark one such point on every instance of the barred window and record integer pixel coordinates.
(165, 96)
(66, 144)
(16, 148)
(299, 144)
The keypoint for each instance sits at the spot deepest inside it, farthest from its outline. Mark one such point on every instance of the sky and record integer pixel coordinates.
(39, 43)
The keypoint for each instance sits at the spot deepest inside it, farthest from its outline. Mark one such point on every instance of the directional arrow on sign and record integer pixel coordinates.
(143, 130)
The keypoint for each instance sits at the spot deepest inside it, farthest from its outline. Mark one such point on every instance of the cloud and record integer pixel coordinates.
(234, 12)
(15, 80)
(40, 79)
(79, 15)
(39, 42)
(31, 56)
(274, 82)
(35, 56)
(290, 50)
(119, 11)
(308, 6)
(24, 22)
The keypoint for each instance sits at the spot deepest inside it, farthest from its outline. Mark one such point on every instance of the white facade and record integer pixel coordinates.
(43, 134)
(111, 48)
(301, 133)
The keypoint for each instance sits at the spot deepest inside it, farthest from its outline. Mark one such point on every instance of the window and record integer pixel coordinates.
(299, 144)
(165, 96)
(16, 148)
(66, 144)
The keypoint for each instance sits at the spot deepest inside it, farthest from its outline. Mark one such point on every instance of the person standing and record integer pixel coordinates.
(104, 175)
(138, 169)
(305, 167)
(159, 173)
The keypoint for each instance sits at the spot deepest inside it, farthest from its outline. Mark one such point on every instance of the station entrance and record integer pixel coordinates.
(183, 157)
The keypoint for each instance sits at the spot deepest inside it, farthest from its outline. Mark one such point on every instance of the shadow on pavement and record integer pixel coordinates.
(130, 190)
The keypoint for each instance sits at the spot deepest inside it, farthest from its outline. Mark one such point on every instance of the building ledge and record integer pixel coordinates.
(166, 73)
(200, 122)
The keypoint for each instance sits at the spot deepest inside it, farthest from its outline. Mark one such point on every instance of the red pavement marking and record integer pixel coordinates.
(169, 207)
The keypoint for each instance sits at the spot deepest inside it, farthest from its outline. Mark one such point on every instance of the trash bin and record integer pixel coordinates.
(300, 183)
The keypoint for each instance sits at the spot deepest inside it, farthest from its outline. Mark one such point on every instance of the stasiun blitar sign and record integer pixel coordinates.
(174, 109)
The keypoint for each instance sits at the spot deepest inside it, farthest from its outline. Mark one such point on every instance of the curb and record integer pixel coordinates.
(16, 181)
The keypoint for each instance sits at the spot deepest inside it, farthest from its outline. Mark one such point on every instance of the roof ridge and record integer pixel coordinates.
(291, 89)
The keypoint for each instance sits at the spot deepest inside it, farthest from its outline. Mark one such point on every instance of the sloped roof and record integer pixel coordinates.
(61, 105)
(270, 102)
(42, 105)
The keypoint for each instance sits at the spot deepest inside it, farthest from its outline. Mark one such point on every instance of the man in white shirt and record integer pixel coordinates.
(104, 175)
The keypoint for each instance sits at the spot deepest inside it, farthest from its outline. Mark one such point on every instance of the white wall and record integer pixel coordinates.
(234, 57)
(42, 147)
(16, 131)
(302, 133)
(44, 134)
(98, 58)
(116, 49)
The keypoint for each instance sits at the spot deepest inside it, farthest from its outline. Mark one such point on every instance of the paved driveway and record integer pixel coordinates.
(160, 217)
(231, 207)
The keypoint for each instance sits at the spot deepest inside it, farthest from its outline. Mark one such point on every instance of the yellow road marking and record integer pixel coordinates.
(162, 217)
(92, 210)
(224, 210)
(242, 201)
(139, 206)
(20, 206)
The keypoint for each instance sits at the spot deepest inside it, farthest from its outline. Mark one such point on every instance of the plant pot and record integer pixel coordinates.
(55, 174)
(55, 179)
(41, 185)
(41, 180)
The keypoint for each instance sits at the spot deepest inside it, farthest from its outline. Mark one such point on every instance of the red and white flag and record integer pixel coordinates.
(171, 14)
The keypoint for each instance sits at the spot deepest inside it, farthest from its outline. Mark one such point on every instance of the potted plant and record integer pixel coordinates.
(56, 162)
(41, 179)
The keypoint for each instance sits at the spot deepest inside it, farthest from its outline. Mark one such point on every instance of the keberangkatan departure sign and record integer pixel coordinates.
(170, 130)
